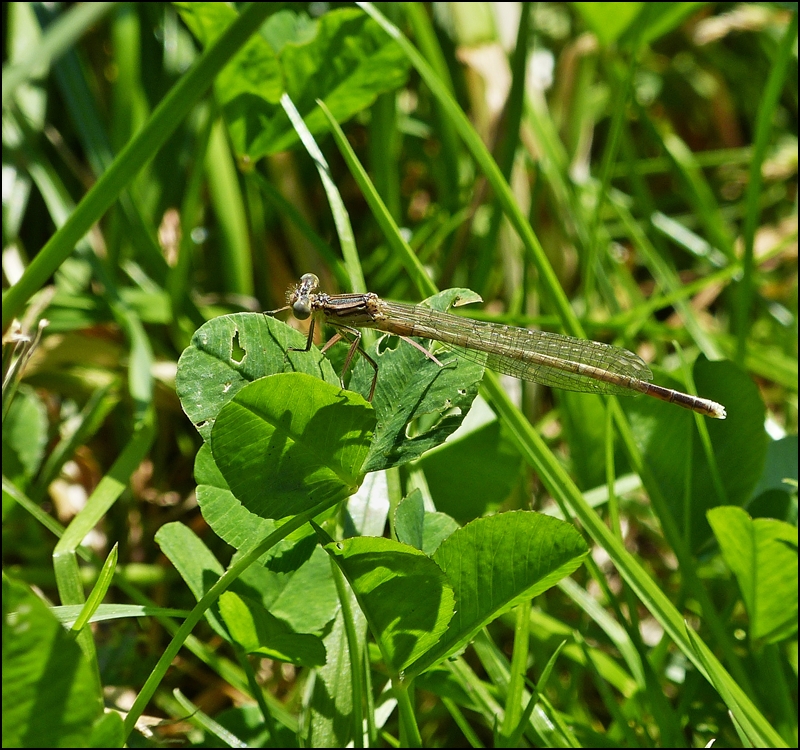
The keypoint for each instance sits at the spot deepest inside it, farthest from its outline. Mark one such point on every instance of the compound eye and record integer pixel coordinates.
(301, 308)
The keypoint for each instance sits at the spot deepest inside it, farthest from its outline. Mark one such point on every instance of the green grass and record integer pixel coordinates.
(253, 554)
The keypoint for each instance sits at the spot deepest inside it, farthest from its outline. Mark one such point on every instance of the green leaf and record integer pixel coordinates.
(608, 20)
(637, 23)
(24, 436)
(673, 451)
(419, 528)
(287, 27)
(436, 528)
(229, 519)
(253, 73)
(780, 465)
(656, 20)
(496, 562)
(259, 632)
(231, 351)
(762, 553)
(404, 595)
(108, 731)
(195, 563)
(206, 472)
(342, 58)
(291, 568)
(224, 512)
(409, 519)
(488, 468)
(295, 583)
(330, 705)
(50, 696)
(349, 62)
(418, 403)
(289, 442)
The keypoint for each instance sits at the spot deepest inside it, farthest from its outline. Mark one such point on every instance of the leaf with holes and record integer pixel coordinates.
(231, 351)
(419, 403)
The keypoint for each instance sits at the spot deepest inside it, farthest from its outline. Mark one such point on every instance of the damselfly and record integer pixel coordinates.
(538, 356)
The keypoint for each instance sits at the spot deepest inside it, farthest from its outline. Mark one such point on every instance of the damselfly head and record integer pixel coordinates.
(299, 297)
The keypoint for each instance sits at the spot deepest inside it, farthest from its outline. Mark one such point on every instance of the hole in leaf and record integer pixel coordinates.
(425, 423)
(388, 344)
(237, 353)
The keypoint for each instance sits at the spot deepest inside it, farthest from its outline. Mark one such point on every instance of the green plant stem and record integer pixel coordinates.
(409, 731)
(355, 653)
(506, 146)
(256, 691)
(519, 662)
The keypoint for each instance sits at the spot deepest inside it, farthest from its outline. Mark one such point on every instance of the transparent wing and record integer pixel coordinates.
(516, 351)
